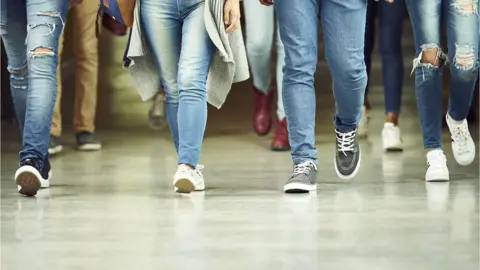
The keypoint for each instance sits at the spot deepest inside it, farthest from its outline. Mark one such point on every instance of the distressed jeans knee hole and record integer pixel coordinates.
(466, 7)
(41, 51)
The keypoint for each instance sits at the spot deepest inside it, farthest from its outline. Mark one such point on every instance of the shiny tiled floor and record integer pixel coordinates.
(116, 209)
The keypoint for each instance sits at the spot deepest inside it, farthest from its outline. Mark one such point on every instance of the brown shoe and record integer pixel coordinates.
(280, 140)
(262, 119)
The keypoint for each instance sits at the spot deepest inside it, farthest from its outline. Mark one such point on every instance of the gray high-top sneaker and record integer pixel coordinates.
(303, 179)
(347, 154)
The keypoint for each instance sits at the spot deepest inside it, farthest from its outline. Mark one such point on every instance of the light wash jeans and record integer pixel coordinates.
(176, 32)
(343, 25)
(462, 23)
(259, 32)
(25, 26)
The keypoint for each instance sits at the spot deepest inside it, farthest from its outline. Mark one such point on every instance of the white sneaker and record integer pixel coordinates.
(437, 169)
(463, 146)
(30, 179)
(187, 179)
(391, 138)
(200, 184)
(362, 128)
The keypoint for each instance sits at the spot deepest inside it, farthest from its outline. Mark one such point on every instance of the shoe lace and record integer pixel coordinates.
(345, 141)
(199, 169)
(304, 168)
(461, 135)
(437, 159)
(31, 162)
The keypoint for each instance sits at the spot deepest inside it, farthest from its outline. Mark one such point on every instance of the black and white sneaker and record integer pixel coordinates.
(87, 141)
(55, 146)
(347, 154)
(30, 177)
(303, 179)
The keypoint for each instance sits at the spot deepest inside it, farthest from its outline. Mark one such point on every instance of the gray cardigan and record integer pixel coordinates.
(229, 63)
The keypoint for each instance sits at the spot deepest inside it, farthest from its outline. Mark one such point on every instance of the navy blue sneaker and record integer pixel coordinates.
(87, 141)
(31, 176)
(55, 145)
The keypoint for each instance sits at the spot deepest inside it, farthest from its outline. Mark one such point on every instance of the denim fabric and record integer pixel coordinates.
(259, 32)
(26, 25)
(343, 25)
(462, 23)
(390, 26)
(175, 30)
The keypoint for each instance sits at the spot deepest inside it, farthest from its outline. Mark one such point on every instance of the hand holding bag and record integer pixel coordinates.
(117, 15)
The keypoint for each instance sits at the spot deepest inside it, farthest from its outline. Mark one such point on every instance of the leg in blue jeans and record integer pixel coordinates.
(344, 46)
(390, 24)
(298, 24)
(428, 67)
(343, 27)
(463, 55)
(372, 11)
(33, 66)
(14, 32)
(171, 28)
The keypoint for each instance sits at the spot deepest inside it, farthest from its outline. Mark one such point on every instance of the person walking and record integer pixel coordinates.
(85, 48)
(462, 21)
(343, 25)
(30, 31)
(391, 17)
(259, 42)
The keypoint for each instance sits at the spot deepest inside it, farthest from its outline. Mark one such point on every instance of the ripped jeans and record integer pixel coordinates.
(462, 21)
(30, 30)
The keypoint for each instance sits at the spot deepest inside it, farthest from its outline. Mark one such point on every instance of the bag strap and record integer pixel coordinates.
(97, 23)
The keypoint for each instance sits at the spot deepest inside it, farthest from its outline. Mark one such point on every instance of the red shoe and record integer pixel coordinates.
(280, 140)
(262, 119)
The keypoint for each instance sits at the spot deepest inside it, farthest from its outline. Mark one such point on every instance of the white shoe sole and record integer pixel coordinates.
(55, 150)
(89, 147)
(393, 147)
(46, 183)
(197, 189)
(298, 188)
(353, 174)
(184, 185)
(461, 160)
(437, 178)
(29, 180)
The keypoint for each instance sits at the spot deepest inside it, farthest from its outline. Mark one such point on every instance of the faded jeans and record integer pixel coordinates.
(30, 30)
(343, 25)
(259, 32)
(176, 32)
(462, 23)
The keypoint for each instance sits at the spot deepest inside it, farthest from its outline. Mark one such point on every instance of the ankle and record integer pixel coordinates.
(453, 121)
(366, 104)
(392, 117)
(187, 165)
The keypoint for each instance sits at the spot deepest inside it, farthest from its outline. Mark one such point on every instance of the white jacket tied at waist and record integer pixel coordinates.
(229, 63)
